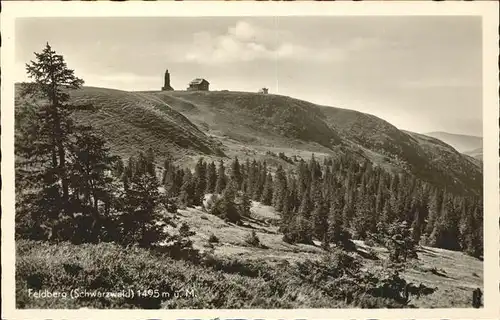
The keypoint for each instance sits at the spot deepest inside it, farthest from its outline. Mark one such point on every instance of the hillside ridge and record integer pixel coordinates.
(295, 124)
(221, 124)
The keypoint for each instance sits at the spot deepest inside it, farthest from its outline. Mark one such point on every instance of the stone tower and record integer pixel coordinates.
(166, 86)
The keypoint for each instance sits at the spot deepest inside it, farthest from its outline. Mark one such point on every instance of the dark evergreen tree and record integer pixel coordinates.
(365, 221)
(200, 181)
(225, 207)
(320, 221)
(236, 175)
(399, 242)
(434, 209)
(211, 178)
(446, 230)
(221, 178)
(150, 162)
(416, 227)
(187, 192)
(171, 180)
(52, 121)
(245, 205)
(141, 220)
(267, 192)
(61, 167)
(336, 231)
(252, 177)
(279, 189)
(92, 188)
(306, 206)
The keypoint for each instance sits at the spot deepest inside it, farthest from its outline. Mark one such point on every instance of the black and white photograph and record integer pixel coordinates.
(250, 161)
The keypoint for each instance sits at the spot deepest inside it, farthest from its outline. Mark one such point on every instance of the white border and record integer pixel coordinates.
(488, 10)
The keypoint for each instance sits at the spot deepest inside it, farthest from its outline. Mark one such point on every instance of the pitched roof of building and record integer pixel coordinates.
(198, 81)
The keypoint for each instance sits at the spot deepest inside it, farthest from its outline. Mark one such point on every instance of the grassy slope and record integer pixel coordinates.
(253, 118)
(132, 121)
(107, 267)
(458, 274)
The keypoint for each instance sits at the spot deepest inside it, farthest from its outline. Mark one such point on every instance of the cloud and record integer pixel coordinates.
(243, 31)
(244, 42)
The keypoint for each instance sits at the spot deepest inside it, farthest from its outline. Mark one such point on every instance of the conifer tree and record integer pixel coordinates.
(379, 199)
(416, 227)
(246, 204)
(211, 178)
(279, 189)
(251, 178)
(51, 77)
(171, 182)
(150, 162)
(446, 230)
(187, 192)
(261, 180)
(91, 187)
(200, 182)
(434, 209)
(292, 198)
(306, 206)
(336, 232)
(246, 184)
(320, 221)
(140, 221)
(225, 207)
(365, 220)
(220, 185)
(267, 192)
(236, 175)
(61, 167)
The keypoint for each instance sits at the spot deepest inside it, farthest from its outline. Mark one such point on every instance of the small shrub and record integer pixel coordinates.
(288, 239)
(226, 209)
(209, 245)
(213, 239)
(372, 253)
(369, 242)
(253, 240)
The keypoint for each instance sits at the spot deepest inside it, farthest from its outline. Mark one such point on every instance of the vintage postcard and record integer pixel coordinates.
(183, 160)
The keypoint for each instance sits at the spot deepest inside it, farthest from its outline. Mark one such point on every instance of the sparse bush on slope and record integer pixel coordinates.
(252, 239)
(217, 283)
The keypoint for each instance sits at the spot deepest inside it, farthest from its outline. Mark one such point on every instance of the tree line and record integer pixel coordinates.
(339, 199)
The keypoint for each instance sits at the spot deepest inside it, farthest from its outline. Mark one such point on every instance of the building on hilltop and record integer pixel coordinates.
(264, 90)
(198, 85)
(166, 86)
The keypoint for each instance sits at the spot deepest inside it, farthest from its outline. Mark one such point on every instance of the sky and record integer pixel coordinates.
(421, 74)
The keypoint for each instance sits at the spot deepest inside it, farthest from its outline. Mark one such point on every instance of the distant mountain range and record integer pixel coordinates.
(461, 142)
(217, 125)
(476, 153)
